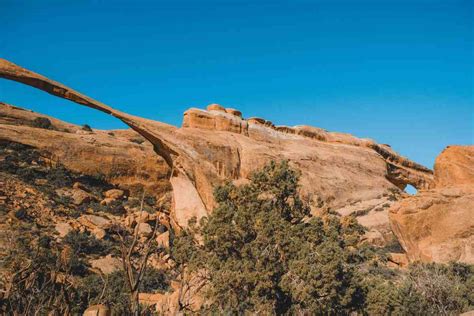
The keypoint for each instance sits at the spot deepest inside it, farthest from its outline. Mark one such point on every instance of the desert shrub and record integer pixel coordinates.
(437, 289)
(21, 214)
(424, 289)
(114, 207)
(86, 128)
(138, 141)
(17, 159)
(393, 245)
(42, 122)
(31, 265)
(150, 200)
(381, 296)
(264, 253)
(3, 210)
(85, 244)
(116, 293)
(360, 213)
(59, 177)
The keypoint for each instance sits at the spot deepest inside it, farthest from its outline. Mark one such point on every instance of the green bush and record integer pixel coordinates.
(116, 293)
(264, 253)
(42, 122)
(31, 265)
(85, 244)
(86, 128)
(424, 289)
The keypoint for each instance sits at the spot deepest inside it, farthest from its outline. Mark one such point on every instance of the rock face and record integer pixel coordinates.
(111, 154)
(438, 224)
(339, 171)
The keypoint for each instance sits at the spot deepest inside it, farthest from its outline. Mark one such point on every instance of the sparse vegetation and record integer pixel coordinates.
(260, 251)
(86, 128)
(42, 122)
(84, 244)
(138, 141)
(263, 253)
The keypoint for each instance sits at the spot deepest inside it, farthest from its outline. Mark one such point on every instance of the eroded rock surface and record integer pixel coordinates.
(339, 171)
(438, 224)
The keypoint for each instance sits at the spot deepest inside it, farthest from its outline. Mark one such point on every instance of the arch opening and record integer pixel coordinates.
(410, 189)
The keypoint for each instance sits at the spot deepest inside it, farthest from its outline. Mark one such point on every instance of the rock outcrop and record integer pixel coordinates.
(339, 171)
(438, 224)
(110, 154)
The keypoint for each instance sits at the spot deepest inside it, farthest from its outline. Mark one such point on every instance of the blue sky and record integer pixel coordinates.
(400, 72)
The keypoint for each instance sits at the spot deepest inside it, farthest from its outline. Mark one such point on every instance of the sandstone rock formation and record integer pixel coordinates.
(339, 171)
(111, 154)
(438, 224)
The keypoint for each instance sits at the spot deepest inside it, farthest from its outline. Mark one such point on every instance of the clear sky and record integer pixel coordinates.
(400, 72)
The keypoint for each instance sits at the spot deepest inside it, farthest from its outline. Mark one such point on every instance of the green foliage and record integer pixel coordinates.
(112, 289)
(138, 141)
(114, 207)
(393, 245)
(438, 289)
(36, 276)
(263, 253)
(425, 289)
(85, 244)
(86, 128)
(42, 122)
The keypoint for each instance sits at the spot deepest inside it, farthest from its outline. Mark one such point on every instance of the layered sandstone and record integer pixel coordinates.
(119, 156)
(338, 171)
(438, 224)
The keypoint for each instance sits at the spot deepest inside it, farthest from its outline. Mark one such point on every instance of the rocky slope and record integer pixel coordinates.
(121, 156)
(339, 171)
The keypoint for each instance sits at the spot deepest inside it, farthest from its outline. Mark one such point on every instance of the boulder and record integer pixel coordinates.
(398, 260)
(114, 194)
(107, 264)
(78, 185)
(80, 196)
(215, 107)
(99, 233)
(107, 201)
(97, 310)
(144, 229)
(374, 237)
(93, 221)
(130, 220)
(163, 239)
(63, 229)
(142, 217)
